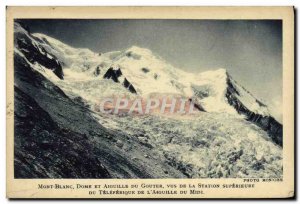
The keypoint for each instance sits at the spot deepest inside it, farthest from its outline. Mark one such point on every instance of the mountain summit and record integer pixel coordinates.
(139, 51)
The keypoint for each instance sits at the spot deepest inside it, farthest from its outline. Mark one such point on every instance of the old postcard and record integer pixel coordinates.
(150, 102)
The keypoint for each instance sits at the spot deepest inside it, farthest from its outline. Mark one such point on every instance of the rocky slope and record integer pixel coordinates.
(45, 150)
(265, 121)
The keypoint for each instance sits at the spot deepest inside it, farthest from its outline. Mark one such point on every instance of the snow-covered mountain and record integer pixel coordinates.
(139, 71)
(147, 73)
(84, 77)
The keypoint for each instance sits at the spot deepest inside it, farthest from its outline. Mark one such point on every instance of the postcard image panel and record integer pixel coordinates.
(150, 102)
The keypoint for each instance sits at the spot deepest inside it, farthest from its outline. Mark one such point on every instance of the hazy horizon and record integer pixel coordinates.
(248, 49)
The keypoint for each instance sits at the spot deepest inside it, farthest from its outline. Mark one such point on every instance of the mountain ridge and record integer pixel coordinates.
(126, 70)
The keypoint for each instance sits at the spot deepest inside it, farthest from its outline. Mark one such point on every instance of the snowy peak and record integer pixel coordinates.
(216, 89)
(139, 51)
(220, 73)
